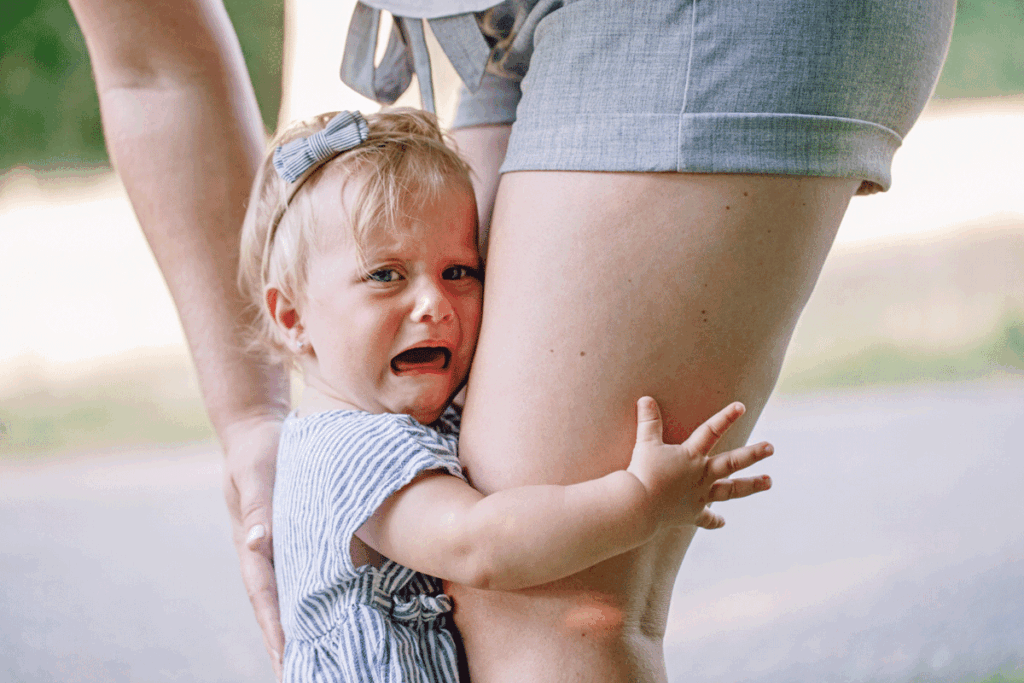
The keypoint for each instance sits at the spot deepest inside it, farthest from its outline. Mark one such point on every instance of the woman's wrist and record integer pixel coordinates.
(236, 433)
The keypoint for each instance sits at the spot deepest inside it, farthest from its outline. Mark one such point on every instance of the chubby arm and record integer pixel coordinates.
(184, 132)
(520, 537)
(530, 535)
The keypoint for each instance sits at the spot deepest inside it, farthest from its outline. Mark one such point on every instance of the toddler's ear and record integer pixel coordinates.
(286, 317)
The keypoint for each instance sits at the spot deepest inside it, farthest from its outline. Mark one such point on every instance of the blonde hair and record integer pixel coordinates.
(404, 162)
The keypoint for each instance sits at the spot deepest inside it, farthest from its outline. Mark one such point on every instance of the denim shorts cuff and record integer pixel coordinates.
(784, 144)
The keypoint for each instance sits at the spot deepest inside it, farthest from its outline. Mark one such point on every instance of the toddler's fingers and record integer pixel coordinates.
(709, 520)
(727, 489)
(648, 420)
(707, 435)
(726, 464)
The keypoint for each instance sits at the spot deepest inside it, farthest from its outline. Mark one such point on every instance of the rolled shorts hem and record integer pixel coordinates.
(756, 143)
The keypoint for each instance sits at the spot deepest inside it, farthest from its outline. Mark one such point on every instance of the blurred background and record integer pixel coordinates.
(115, 562)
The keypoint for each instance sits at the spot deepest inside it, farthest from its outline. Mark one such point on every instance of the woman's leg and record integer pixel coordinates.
(602, 287)
(685, 285)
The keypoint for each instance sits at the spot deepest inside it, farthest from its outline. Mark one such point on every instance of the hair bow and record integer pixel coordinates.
(346, 130)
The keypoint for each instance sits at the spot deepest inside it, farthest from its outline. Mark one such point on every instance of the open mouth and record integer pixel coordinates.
(423, 358)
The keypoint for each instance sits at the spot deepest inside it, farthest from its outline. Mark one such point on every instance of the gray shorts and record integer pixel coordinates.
(804, 87)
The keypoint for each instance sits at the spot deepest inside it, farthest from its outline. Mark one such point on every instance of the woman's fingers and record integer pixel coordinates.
(707, 435)
(648, 421)
(258, 577)
(250, 511)
(727, 489)
(250, 468)
(726, 464)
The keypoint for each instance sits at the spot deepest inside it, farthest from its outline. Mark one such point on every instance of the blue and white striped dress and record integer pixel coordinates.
(342, 622)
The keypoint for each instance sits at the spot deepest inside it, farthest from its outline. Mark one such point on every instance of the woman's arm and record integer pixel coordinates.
(530, 535)
(184, 133)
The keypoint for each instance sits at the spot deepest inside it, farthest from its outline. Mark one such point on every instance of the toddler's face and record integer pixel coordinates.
(397, 332)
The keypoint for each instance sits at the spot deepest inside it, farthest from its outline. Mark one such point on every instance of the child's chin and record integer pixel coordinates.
(426, 409)
(426, 417)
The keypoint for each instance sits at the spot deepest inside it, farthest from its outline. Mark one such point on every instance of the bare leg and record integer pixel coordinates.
(603, 287)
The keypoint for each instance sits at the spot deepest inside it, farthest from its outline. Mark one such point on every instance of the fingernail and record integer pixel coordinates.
(256, 533)
(769, 449)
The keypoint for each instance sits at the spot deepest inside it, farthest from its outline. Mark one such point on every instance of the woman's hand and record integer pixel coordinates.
(249, 470)
(682, 479)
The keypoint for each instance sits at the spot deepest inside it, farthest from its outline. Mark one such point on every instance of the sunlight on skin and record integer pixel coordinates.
(594, 618)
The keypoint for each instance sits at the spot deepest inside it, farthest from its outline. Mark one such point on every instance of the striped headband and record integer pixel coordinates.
(297, 160)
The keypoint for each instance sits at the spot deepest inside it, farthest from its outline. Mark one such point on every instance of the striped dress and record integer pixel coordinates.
(342, 622)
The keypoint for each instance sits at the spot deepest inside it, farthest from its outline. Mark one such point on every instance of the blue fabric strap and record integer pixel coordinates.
(464, 45)
(346, 130)
(406, 53)
(382, 83)
(416, 39)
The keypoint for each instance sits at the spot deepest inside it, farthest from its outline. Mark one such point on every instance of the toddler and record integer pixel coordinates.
(360, 249)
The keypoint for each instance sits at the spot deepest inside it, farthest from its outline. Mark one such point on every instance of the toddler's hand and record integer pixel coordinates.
(681, 479)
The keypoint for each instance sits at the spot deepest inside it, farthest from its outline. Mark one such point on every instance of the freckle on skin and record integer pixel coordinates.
(583, 353)
(727, 208)
(745, 194)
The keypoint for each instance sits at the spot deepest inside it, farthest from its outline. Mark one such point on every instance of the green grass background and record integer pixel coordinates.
(999, 354)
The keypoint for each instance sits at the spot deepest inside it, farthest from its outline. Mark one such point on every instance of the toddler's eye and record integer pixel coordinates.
(460, 272)
(383, 275)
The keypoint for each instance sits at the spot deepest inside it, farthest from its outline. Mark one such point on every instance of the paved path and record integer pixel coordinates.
(891, 549)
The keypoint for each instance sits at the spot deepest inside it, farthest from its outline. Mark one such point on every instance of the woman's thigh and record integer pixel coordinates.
(674, 178)
(603, 287)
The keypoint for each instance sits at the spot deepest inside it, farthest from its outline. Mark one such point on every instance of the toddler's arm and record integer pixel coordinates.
(530, 535)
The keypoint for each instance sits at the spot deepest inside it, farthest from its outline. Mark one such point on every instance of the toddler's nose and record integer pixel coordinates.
(433, 304)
